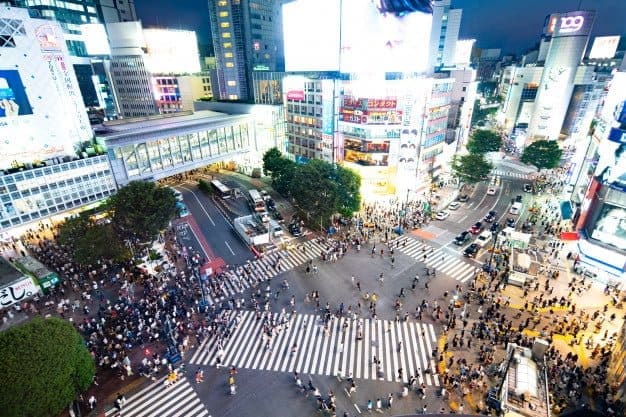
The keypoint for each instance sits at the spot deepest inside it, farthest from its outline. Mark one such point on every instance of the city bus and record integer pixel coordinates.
(221, 190)
(256, 201)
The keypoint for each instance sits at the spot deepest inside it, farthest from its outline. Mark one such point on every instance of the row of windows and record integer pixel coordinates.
(50, 170)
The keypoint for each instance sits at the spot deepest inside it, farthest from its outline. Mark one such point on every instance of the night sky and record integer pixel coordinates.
(513, 25)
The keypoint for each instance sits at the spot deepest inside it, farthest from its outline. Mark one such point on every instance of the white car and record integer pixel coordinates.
(491, 191)
(483, 238)
(442, 215)
(454, 205)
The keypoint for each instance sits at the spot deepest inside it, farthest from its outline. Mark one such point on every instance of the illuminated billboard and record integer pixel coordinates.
(171, 51)
(610, 226)
(577, 23)
(311, 35)
(95, 37)
(604, 47)
(378, 41)
(42, 114)
(371, 111)
(611, 168)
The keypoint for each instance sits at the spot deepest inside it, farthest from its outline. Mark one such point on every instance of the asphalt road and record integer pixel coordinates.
(214, 225)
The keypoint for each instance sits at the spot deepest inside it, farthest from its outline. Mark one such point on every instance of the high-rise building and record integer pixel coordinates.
(444, 34)
(48, 163)
(246, 37)
(129, 74)
(568, 34)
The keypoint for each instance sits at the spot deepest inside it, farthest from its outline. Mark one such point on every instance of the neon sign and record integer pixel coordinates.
(570, 24)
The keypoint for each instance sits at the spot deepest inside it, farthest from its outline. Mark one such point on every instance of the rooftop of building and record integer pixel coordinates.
(162, 125)
(8, 273)
(526, 392)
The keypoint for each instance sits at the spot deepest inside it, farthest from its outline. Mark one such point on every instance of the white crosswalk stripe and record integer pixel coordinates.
(158, 400)
(328, 353)
(437, 258)
(264, 268)
(511, 174)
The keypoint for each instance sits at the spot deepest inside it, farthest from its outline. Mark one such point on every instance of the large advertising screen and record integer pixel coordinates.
(611, 168)
(604, 47)
(311, 35)
(378, 41)
(42, 114)
(610, 226)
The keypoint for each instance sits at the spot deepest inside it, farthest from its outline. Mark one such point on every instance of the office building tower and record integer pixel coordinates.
(568, 33)
(129, 74)
(246, 37)
(444, 34)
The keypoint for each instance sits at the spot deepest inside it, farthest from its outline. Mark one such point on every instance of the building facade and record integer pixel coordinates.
(444, 34)
(569, 34)
(246, 37)
(128, 72)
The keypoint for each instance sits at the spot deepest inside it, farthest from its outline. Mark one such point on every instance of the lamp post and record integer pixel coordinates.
(495, 243)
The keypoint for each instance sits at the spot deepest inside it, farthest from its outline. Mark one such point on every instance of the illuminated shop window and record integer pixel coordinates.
(227, 45)
(226, 35)
(225, 24)
(223, 14)
(228, 55)
(231, 83)
(233, 97)
(230, 65)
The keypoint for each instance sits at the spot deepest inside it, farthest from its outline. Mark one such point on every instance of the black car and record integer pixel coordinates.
(295, 230)
(528, 188)
(518, 199)
(462, 238)
(270, 204)
(495, 226)
(491, 216)
(463, 198)
(510, 222)
(471, 250)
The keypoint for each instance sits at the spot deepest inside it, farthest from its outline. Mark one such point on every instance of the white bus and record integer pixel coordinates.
(256, 201)
(221, 190)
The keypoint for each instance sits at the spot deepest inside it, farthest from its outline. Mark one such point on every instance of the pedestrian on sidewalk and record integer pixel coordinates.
(92, 402)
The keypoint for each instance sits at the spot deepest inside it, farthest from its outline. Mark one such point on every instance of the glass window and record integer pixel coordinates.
(230, 65)
(223, 14)
(231, 83)
(227, 45)
(213, 142)
(203, 137)
(224, 24)
(228, 54)
(226, 35)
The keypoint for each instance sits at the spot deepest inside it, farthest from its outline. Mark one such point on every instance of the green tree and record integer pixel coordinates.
(483, 141)
(141, 209)
(93, 241)
(45, 364)
(471, 168)
(542, 154)
(281, 169)
(323, 190)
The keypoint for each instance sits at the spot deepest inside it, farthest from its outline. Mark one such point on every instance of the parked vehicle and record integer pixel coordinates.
(463, 198)
(454, 205)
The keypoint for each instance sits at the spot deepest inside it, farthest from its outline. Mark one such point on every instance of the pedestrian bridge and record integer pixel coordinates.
(159, 147)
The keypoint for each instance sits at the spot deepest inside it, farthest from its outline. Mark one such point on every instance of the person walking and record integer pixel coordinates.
(390, 399)
(92, 402)
(119, 402)
(370, 405)
(379, 405)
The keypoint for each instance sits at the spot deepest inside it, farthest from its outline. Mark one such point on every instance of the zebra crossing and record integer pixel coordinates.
(505, 173)
(438, 259)
(158, 400)
(268, 266)
(347, 347)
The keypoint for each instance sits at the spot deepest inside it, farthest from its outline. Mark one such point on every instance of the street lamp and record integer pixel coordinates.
(495, 243)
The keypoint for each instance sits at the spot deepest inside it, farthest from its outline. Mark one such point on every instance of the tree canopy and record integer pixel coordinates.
(92, 241)
(471, 168)
(141, 209)
(483, 141)
(319, 188)
(542, 154)
(45, 364)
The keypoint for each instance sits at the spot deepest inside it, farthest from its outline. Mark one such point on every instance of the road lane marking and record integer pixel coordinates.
(200, 203)
(229, 248)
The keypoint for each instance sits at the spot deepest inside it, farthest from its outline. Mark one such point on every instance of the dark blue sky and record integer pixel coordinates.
(513, 25)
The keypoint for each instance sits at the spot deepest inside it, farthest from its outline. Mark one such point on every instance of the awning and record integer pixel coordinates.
(572, 236)
(566, 210)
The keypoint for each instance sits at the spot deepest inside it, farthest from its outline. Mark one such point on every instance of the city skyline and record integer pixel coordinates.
(504, 30)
